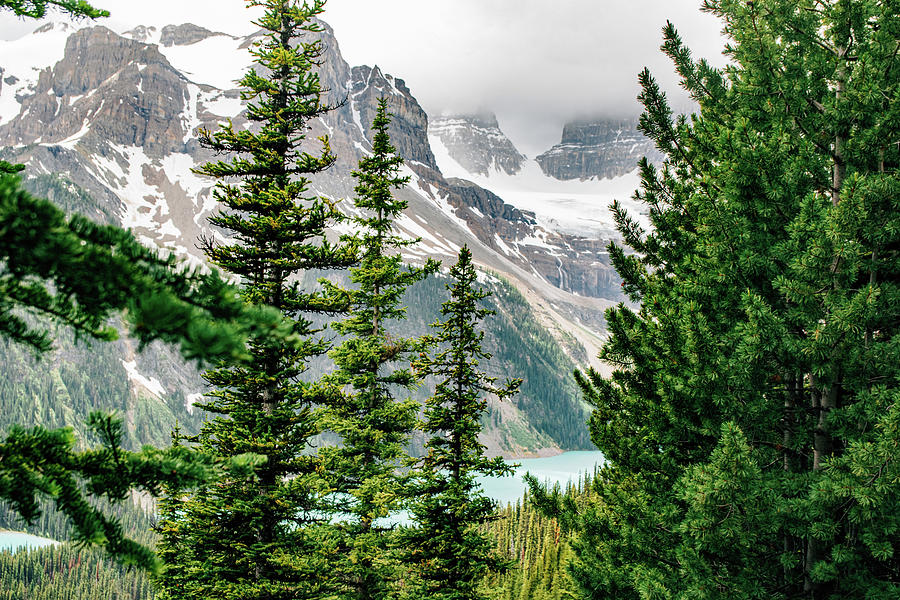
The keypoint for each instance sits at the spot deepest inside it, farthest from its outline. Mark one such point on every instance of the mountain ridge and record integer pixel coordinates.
(598, 148)
(119, 118)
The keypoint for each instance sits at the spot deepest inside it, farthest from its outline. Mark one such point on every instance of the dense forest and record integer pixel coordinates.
(69, 573)
(536, 548)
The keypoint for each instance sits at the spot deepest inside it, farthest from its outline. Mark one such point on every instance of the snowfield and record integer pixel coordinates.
(575, 207)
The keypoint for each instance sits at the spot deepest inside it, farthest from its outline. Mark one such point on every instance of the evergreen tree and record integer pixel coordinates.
(37, 9)
(66, 270)
(749, 421)
(72, 272)
(373, 425)
(449, 553)
(41, 464)
(257, 537)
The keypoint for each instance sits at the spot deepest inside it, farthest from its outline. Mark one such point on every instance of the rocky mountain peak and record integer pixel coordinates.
(597, 148)
(96, 90)
(94, 55)
(141, 33)
(57, 26)
(476, 142)
(184, 35)
(594, 133)
(409, 124)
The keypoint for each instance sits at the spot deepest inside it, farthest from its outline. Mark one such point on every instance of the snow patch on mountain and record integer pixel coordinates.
(149, 384)
(221, 104)
(190, 120)
(574, 207)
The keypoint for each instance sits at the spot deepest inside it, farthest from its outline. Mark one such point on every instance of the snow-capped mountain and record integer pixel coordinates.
(576, 209)
(117, 114)
(597, 149)
(477, 143)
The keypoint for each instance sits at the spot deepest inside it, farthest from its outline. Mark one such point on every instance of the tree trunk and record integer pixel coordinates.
(826, 394)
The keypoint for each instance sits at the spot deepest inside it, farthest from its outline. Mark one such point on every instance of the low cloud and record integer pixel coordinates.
(535, 64)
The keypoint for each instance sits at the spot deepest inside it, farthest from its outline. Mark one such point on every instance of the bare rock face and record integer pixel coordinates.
(477, 143)
(598, 149)
(184, 35)
(125, 89)
(409, 123)
(578, 265)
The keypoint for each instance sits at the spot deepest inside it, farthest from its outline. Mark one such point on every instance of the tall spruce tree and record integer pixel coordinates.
(447, 548)
(751, 424)
(372, 368)
(64, 270)
(257, 537)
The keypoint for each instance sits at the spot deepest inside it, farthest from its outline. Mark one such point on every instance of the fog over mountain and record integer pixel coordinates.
(536, 66)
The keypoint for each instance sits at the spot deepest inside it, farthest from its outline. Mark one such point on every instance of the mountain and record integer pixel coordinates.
(477, 143)
(563, 227)
(107, 124)
(599, 148)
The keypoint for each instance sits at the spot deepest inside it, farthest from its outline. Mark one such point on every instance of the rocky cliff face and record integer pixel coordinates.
(477, 143)
(409, 123)
(574, 264)
(126, 78)
(597, 149)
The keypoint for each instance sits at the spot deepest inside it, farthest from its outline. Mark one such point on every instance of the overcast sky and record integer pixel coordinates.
(535, 63)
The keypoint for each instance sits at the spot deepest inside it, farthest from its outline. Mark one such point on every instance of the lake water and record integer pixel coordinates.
(560, 469)
(13, 540)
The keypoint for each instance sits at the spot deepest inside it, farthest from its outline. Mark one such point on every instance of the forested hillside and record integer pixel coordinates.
(69, 573)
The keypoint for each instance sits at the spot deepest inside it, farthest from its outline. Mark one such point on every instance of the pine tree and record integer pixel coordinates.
(68, 271)
(749, 420)
(373, 425)
(37, 9)
(258, 537)
(449, 553)
(42, 464)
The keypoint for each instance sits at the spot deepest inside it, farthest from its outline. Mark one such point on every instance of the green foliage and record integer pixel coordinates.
(37, 9)
(132, 516)
(749, 420)
(374, 427)
(41, 463)
(445, 549)
(68, 573)
(79, 274)
(259, 536)
(538, 548)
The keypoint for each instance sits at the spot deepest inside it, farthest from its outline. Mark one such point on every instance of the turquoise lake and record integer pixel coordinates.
(560, 469)
(13, 540)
